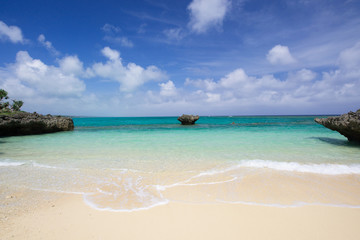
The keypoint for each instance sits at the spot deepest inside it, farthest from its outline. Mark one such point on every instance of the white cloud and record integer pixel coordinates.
(302, 75)
(31, 77)
(111, 35)
(49, 88)
(207, 84)
(111, 54)
(48, 45)
(205, 14)
(123, 41)
(235, 79)
(349, 61)
(130, 76)
(213, 97)
(175, 34)
(167, 89)
(12, 33)
(71, 65)
(280, 55)
(108, 28)
(304, 88)
(59, 88)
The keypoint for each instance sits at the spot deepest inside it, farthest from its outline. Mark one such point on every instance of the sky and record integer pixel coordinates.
(166, 58)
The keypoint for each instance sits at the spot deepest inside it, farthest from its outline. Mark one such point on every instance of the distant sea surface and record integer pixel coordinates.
(128, 164)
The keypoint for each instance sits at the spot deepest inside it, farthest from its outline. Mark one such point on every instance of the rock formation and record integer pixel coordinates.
(188, 119)
(346, 124)
(24, 123)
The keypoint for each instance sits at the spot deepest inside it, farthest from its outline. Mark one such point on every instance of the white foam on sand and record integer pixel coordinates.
(322, 168)
(93, 205)
(129, 193)
(8, 163)
(293, 205)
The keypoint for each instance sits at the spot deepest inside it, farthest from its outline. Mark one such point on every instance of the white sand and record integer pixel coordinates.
(70, 218)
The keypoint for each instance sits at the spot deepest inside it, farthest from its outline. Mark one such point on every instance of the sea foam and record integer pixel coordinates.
(322, 168)
(8, 163)
(93, 205)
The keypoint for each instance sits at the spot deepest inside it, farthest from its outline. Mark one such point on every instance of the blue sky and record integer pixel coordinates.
(164, 58)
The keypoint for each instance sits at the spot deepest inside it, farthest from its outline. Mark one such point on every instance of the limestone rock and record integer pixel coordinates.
(346, 124)
(24, 123)
(188, 119)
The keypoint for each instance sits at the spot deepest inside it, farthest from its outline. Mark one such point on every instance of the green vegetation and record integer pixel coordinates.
(5, 106)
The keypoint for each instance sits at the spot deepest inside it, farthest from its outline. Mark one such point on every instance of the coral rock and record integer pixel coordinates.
(188, 119)
(346, 124)
(24, 123)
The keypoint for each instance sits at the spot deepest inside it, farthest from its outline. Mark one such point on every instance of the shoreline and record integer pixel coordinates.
(262, 179)
(130, 191)
(69, 218)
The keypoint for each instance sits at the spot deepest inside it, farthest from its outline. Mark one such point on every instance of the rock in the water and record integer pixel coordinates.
(24, 123)
(346, 124)
(188, 119)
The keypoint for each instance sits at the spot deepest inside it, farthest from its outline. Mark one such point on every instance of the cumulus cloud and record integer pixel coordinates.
(213, 97)
(32, 78)
(11, 33)
(280, 55)
(111, 54)
(302, 88)
(235, 79)
(130, 76)
(349, 61)
(61, 88)
(167, 89)
(238, 85)
(71, 65)
(205, 14)
(207, 84)
(47, 44)
(304, 75)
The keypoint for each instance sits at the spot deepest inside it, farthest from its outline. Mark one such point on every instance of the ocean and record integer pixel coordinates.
(130, 164)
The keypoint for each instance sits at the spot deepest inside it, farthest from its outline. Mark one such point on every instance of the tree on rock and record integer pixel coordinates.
(5, 105)
(16, 105)
(3, 94)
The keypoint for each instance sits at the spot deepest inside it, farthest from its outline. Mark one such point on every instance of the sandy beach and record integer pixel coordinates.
(70, 218)
(149, 178)
(180, 120)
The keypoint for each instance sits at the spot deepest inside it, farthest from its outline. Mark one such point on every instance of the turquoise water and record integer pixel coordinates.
(137, 158)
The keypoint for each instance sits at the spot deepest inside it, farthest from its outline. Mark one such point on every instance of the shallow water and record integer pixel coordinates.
(125, 164)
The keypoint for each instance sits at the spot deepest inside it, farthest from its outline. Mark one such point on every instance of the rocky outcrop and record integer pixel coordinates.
(188, 119)
(346, 124)
(24, 123)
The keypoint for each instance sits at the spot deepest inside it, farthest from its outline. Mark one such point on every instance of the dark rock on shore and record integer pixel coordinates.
(24, 123)
(346, 124)
(188, 119)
